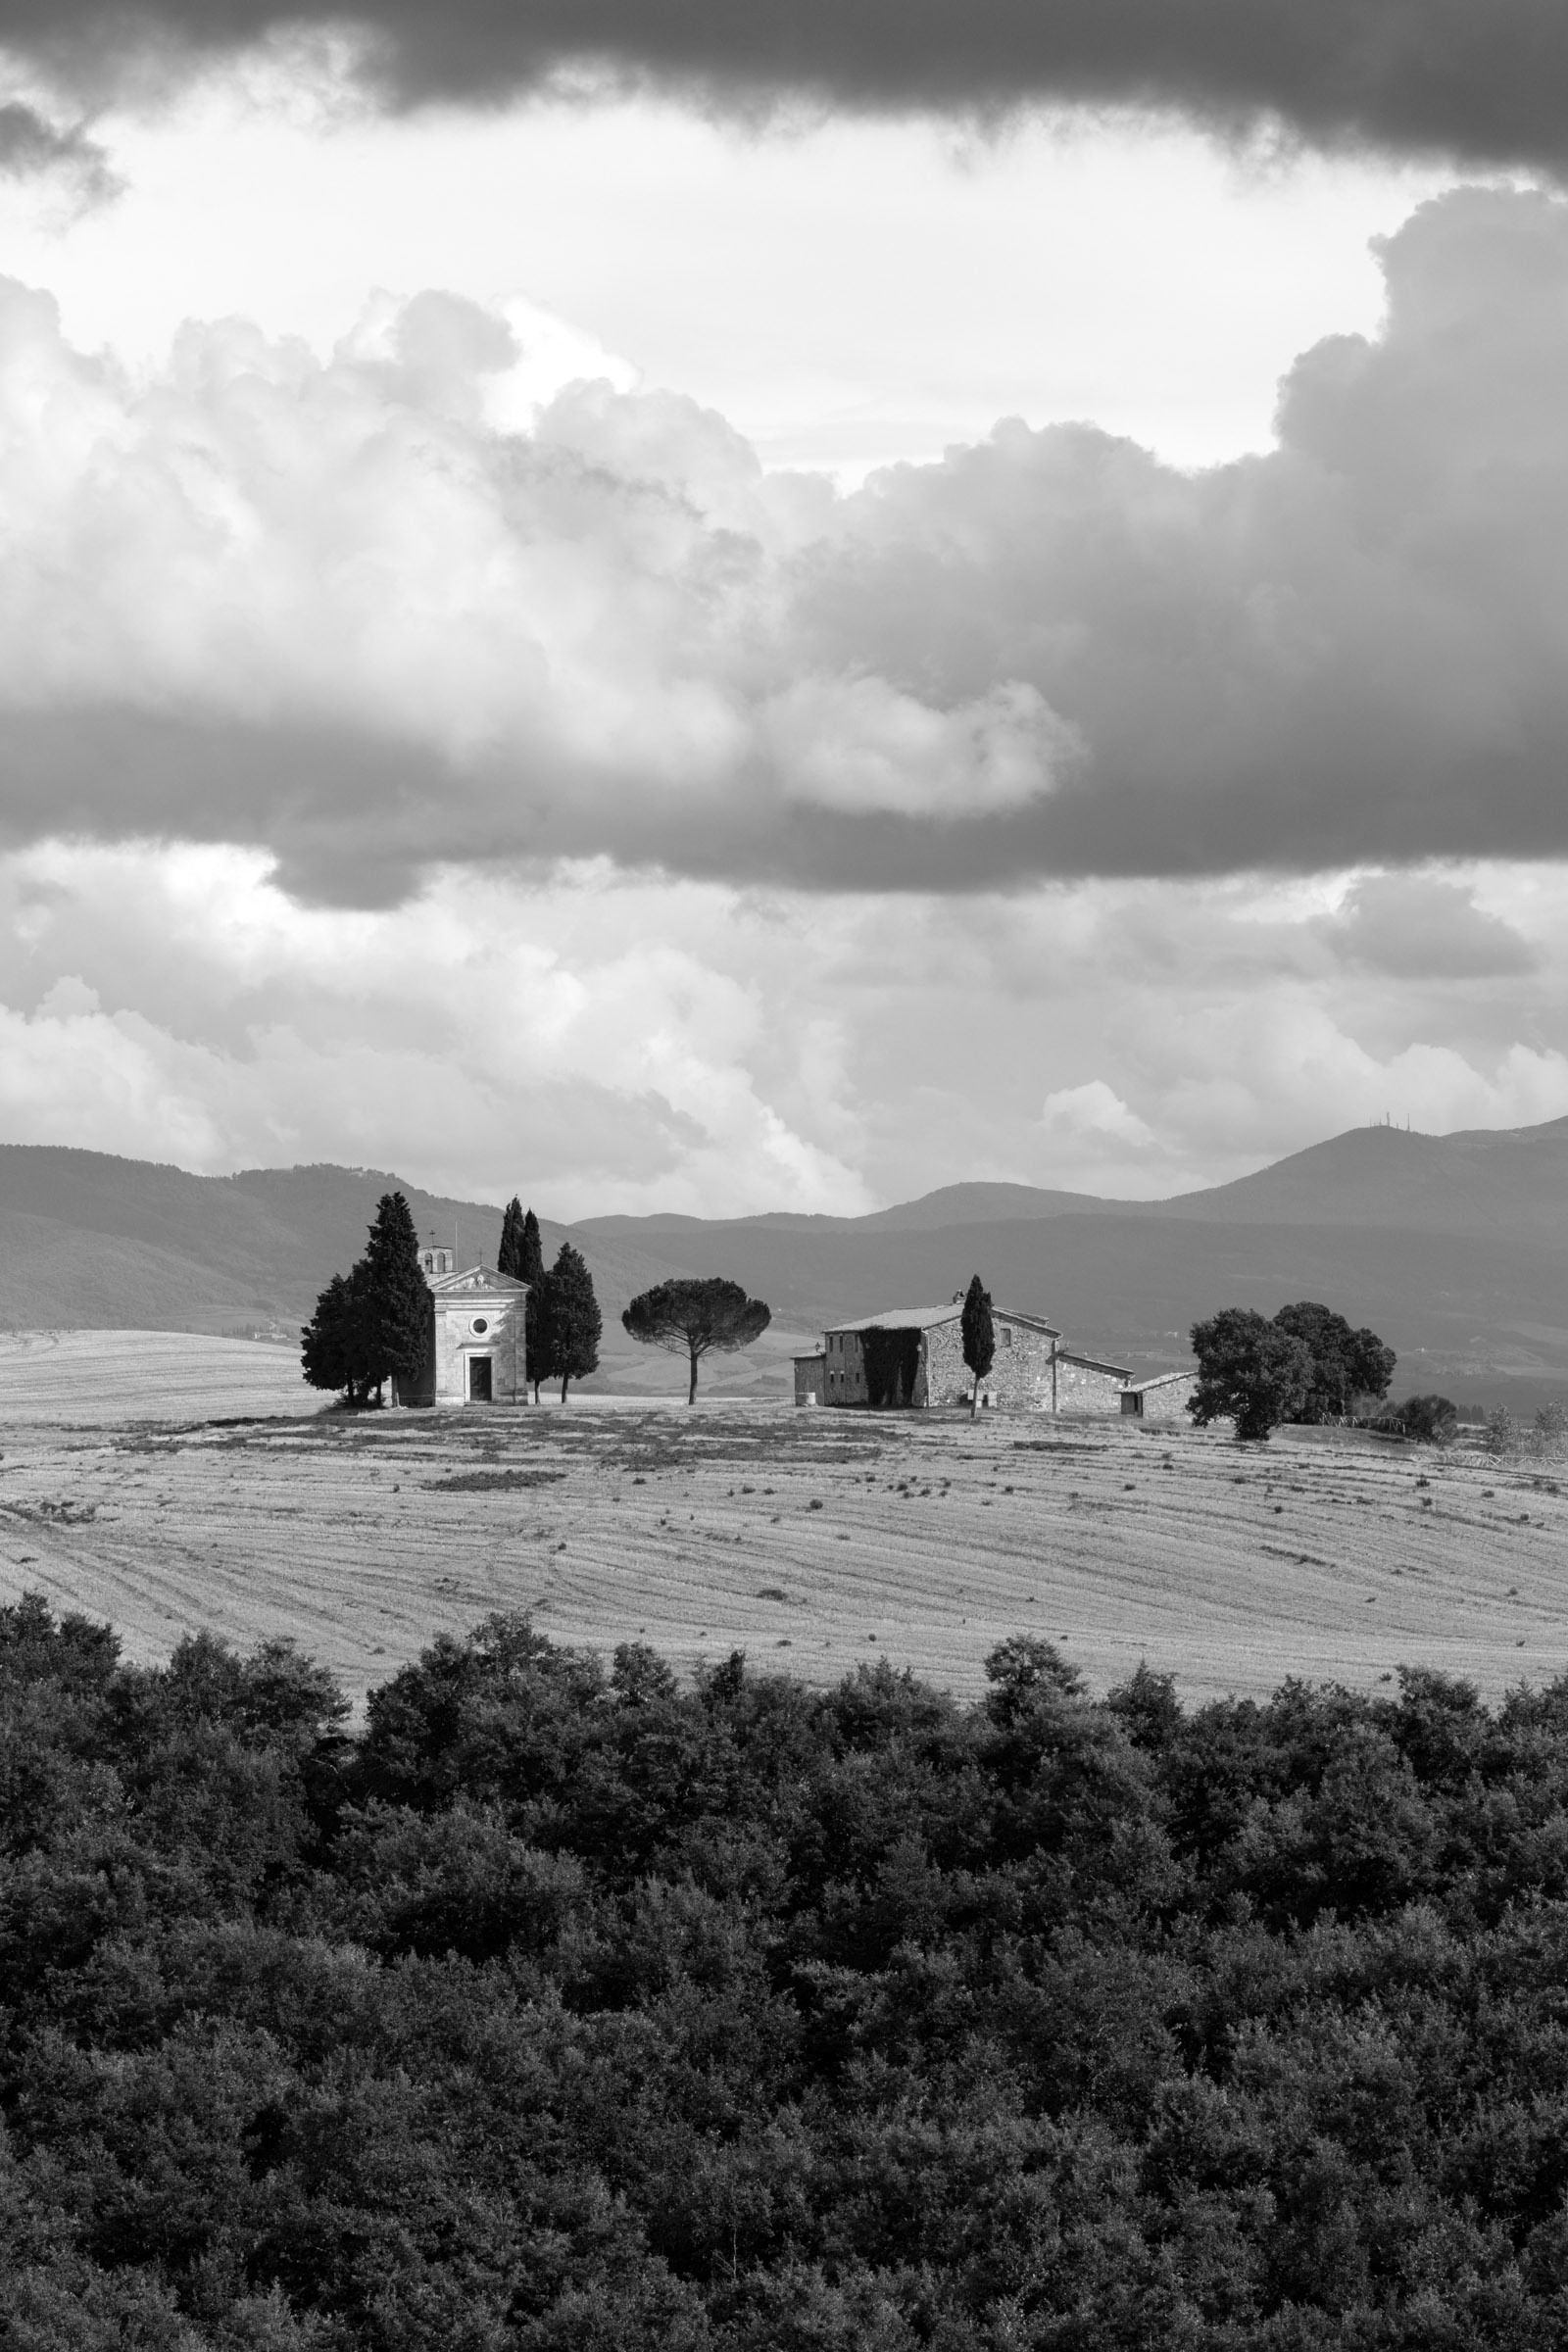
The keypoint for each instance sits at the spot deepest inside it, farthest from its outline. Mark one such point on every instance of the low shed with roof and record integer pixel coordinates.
(1162, 1398)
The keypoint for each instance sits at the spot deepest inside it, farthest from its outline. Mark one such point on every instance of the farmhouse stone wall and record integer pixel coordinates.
(1019, 1380)
(811, 1379)
(1085, 1384)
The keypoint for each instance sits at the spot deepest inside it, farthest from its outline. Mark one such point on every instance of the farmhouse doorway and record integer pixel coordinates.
(478, 1380)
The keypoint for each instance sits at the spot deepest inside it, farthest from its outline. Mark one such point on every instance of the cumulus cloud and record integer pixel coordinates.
(1417, 927)
(1094, 1110)
(1478, 77)
(383, 610)
(612, 1043)
(858, 745)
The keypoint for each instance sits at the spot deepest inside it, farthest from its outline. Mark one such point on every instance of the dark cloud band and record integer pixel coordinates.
(1478, 79)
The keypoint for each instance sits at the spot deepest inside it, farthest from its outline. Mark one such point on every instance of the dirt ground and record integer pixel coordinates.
(199, 1485)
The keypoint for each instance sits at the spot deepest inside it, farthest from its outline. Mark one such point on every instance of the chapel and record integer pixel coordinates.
(477, 1349)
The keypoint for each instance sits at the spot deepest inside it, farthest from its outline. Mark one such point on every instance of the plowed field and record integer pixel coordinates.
(809, 1538)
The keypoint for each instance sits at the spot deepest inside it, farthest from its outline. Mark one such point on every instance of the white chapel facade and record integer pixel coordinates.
(476, 1351)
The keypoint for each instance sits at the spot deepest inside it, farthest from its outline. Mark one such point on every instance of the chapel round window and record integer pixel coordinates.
(479, 1323)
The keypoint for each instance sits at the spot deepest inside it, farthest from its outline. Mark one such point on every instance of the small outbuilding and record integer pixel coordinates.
(1086, 1384)
(811, 1379)
(1162, 1398)
(477, 1345)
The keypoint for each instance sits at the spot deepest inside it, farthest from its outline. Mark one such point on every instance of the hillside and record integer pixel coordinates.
(1466, 1311)
(90, 1242)
(1455, 1247)
(1509, 1183)
(1506, 1182)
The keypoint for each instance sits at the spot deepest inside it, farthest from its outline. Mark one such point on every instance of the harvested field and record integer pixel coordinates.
(810, 1540)
(73, 1376)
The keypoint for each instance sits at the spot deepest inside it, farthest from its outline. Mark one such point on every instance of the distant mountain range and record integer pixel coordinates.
(1455, 1247)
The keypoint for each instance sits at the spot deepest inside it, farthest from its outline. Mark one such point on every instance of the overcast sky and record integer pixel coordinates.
(608, 603)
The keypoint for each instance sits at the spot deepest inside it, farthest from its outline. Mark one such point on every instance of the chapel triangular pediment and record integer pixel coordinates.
(474, 1281)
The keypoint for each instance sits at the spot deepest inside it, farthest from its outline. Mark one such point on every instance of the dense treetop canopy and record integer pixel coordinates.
(693, 1316)
(1304, 1365)
(573, 2010)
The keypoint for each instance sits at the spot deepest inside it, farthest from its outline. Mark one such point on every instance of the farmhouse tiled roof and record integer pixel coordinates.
(926, 1318)
(900, 1318)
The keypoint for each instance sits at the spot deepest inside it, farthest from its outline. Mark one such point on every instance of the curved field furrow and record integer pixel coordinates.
(809, 1539)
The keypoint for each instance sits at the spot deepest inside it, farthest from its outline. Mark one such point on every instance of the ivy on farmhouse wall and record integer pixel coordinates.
(892, 1360)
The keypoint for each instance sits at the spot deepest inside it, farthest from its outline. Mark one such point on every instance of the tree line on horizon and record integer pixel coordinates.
(570, 2007)
(372, 1324)
(1304, 1365)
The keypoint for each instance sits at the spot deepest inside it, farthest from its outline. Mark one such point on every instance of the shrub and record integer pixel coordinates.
(1430, 1420)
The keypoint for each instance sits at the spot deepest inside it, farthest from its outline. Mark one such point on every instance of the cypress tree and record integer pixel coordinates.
(509, 1259)
(536, 1310)
(338, 1348)
(398, 1296)
(325, 1343)
(979, 1337)
(574, 1320)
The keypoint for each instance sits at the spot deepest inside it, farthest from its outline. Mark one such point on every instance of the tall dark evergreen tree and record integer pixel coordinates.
(398, 1296)
(573, 1317)
(338, 1346)
(979, 1337)
(326, 1344)
(509, 1258)
(536, 1320)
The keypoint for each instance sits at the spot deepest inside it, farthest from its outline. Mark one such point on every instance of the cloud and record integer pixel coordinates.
(1094, 1110)
(858, 745)
(31, 148)
(1478, 78)
(614, 1042)
(1414, 927)
(603, 1043)
(384, 610)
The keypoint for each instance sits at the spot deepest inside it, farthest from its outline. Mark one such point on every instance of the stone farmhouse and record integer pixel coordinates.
(476, 1351)
(913, 1355)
